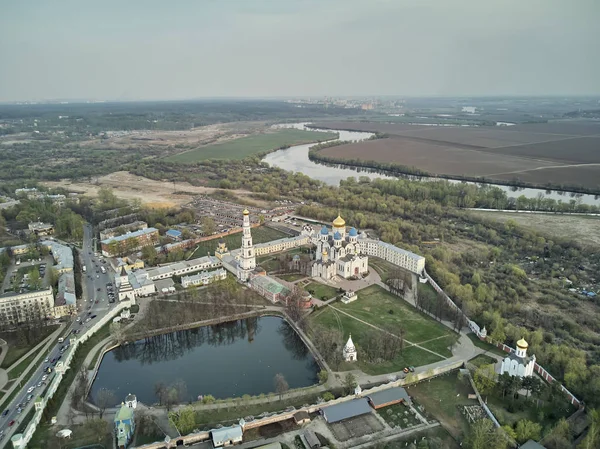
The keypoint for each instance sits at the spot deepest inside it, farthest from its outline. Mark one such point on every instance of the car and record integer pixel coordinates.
(89, 313)
(97, 276)
(46, 360)
(93, 316)
(78, 318)
(53, 360)
(411, 369)
(88, 319)
(29, 397)
(44, 377)
(405, 369)
(98, 289)
(30, 389)
(96, 301)
(5, 412)
(49, 370)
(11, 423)
(40, 384)
(19, 410)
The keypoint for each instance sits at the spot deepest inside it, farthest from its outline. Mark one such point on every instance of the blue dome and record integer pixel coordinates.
(337, 236)
(324, 230)
(353, 232)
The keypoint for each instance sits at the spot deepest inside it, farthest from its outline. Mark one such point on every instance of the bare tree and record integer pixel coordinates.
(294, 305)
(281, 385)
(104, 399)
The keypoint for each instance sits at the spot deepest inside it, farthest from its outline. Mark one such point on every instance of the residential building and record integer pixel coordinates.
(22, 307)
(19, 250)
(112, 232)
(65, 302)
(62, 255)
(226, 436)
(203, 278)
(130, 242)
(284, 244)
(129, 263)
(184, 267)
(39, 228)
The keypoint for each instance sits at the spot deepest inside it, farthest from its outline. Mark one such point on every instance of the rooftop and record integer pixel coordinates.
(66, 290)
(532, 445)
(269, 284)
(173, 233)
(63, 255)
(124, 413)
(345, 410)
(130, 235)
(391, 247)
(166, 269)
(278, 241)
(226, 433)
(390, 395)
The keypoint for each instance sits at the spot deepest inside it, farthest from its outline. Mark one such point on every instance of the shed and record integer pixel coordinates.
(226, 436)
(345, 410)
(387, 397)
(530, 444)
(301, 417)
(312, 440)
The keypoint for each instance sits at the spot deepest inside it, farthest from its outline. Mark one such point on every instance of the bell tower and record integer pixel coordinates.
(247, 260)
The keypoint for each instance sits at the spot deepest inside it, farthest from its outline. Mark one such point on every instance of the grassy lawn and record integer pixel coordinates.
(261, 234)
(291, 277)
(398, 415)
(249, 146)
(383, 267)
(18, 370)
(374, 306)
(482, 360)
(16, 349)
(84, 435)
(442, 397)
(485, 345)
(321, 291)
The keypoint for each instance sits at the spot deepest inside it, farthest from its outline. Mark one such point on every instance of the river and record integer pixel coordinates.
(225, 360)
(296, 159)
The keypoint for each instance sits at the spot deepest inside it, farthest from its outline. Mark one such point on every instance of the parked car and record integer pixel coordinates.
(11, 423)
(30, 389)
(29, 397)
(5, 412)
(94, 316)
(44, 377)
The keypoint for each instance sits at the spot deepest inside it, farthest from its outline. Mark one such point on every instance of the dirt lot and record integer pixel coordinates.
(585, 230)
(150, 192)
(560, 153)
(432, 157)
(202, 135)
(356, 427)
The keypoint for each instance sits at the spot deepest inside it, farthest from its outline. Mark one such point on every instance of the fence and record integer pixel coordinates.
(483, 336)
(58, 376)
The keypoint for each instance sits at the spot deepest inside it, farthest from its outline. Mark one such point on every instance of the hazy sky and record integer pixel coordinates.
(145, 49)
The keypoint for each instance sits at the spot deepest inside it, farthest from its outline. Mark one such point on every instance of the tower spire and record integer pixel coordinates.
(247, 261)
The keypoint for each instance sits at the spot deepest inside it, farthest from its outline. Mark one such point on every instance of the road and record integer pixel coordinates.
(94, 289)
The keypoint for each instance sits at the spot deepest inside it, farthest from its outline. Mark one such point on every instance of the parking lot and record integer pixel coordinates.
(43, 266)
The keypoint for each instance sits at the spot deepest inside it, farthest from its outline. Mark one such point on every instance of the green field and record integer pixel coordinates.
(374, 306)
(249, 146)
(321, 291)
(18, 348)
(442, 398)
(261, 234)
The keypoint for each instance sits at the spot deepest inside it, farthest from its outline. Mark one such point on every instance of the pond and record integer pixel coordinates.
(225, 360)
(296, 159)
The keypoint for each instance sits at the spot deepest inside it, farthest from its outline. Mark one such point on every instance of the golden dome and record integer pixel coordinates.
(325, 253)
(246, 212)
(522, 344)
(339, 222)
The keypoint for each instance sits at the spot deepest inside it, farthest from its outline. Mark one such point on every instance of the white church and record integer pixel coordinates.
(338, 253)
(517, 363)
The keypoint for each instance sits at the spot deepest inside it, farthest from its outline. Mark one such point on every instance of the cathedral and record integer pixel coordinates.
(338, 253)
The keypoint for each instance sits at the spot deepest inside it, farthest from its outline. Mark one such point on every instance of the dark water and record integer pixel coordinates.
(226, 360)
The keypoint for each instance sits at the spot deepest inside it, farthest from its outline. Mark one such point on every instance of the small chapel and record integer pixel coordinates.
(518, 363)
(338, 253)
(349, 351)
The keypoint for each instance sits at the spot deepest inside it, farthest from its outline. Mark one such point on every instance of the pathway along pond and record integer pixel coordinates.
(225, 360)
(296, 159)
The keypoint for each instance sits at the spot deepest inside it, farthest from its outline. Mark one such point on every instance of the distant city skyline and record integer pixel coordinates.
(151, 50)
